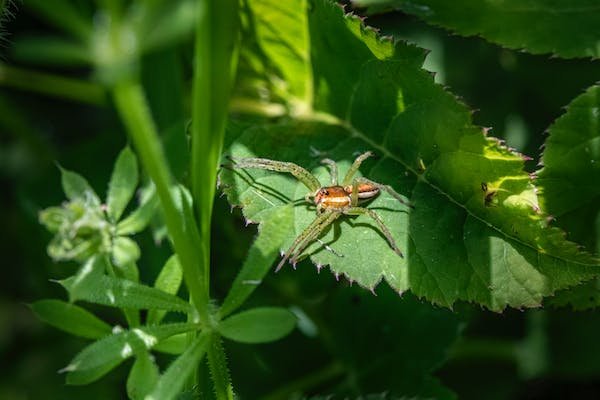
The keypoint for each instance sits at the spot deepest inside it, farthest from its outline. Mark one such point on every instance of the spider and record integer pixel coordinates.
(331, 201)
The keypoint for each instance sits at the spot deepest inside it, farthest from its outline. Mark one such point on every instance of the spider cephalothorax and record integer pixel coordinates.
(331, 201)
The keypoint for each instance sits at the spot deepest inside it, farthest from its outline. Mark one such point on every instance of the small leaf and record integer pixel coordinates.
(169, 281)
(175, 344)
(141, 216)
(91, 285)
(71, 318)
(258, 325)
(100, 357)
(124, 251)
(122, 184)
(172, 381)
(261, 255)
(143, 376)
(566, 28)
(76, 187)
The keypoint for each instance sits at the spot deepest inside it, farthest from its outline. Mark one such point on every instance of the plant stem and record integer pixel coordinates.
(132, 105)
(53, 85)
(215, 61)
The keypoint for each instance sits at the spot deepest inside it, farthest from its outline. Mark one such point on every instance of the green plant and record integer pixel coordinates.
(304, 81)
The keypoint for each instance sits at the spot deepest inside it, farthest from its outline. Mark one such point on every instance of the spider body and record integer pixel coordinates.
(331, 201)
(340, 197)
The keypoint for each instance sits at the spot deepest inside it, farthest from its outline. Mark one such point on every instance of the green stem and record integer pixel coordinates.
(133, 108)
(215, 61)
(53, 85)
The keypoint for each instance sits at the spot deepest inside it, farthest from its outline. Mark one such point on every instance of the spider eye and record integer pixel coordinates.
(326, 192)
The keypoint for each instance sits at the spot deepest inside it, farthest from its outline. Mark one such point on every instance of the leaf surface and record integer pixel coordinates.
(569, 183)
(143, 376)
(122, 184)
(90, 284)
(258, 325)
(566, 28)
(71, 318)
(171, 382)
(102, 356)
(476, 231)
(169, 281)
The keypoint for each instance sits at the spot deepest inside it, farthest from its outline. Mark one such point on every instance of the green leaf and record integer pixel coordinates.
(169, 281)
(176, 344)
(71, 318)
(91, 285)
(102, 356)
(568, 29)
(171, 382)
(258, 325)
(260, 258)
(122, 184)
(51, 51)
(141, 216)
(124, 251)
(76, 187)
(568, 183)
(143, 376)
(282, 35)
(64, 15)
(492, 247)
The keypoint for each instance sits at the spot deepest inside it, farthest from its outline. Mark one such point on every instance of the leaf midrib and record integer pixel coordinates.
(328, 118)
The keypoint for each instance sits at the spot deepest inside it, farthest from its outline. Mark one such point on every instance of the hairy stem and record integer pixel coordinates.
(133, 108)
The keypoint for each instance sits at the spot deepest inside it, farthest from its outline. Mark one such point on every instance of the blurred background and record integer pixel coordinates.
(533, 354)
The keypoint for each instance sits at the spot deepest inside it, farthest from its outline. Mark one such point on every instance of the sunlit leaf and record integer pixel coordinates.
(566, 28)
(71, 318)
(100, 357)
(476, 232)
(258, 325)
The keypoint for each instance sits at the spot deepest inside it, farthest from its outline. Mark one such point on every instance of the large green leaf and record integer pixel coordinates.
(476, 232)
(566, 28)
(569, 183)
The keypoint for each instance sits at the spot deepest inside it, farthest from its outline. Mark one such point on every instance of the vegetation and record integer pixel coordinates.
(171, 294)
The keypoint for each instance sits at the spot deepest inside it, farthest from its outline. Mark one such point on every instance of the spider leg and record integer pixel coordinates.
(354, 167)
(308, 179)
(306, 233)
(387, 188)
(314, 236)
(329, 248)
(333, 171)
(386, 232)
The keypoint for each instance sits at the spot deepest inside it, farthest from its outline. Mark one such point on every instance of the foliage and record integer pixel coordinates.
(299, 82)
